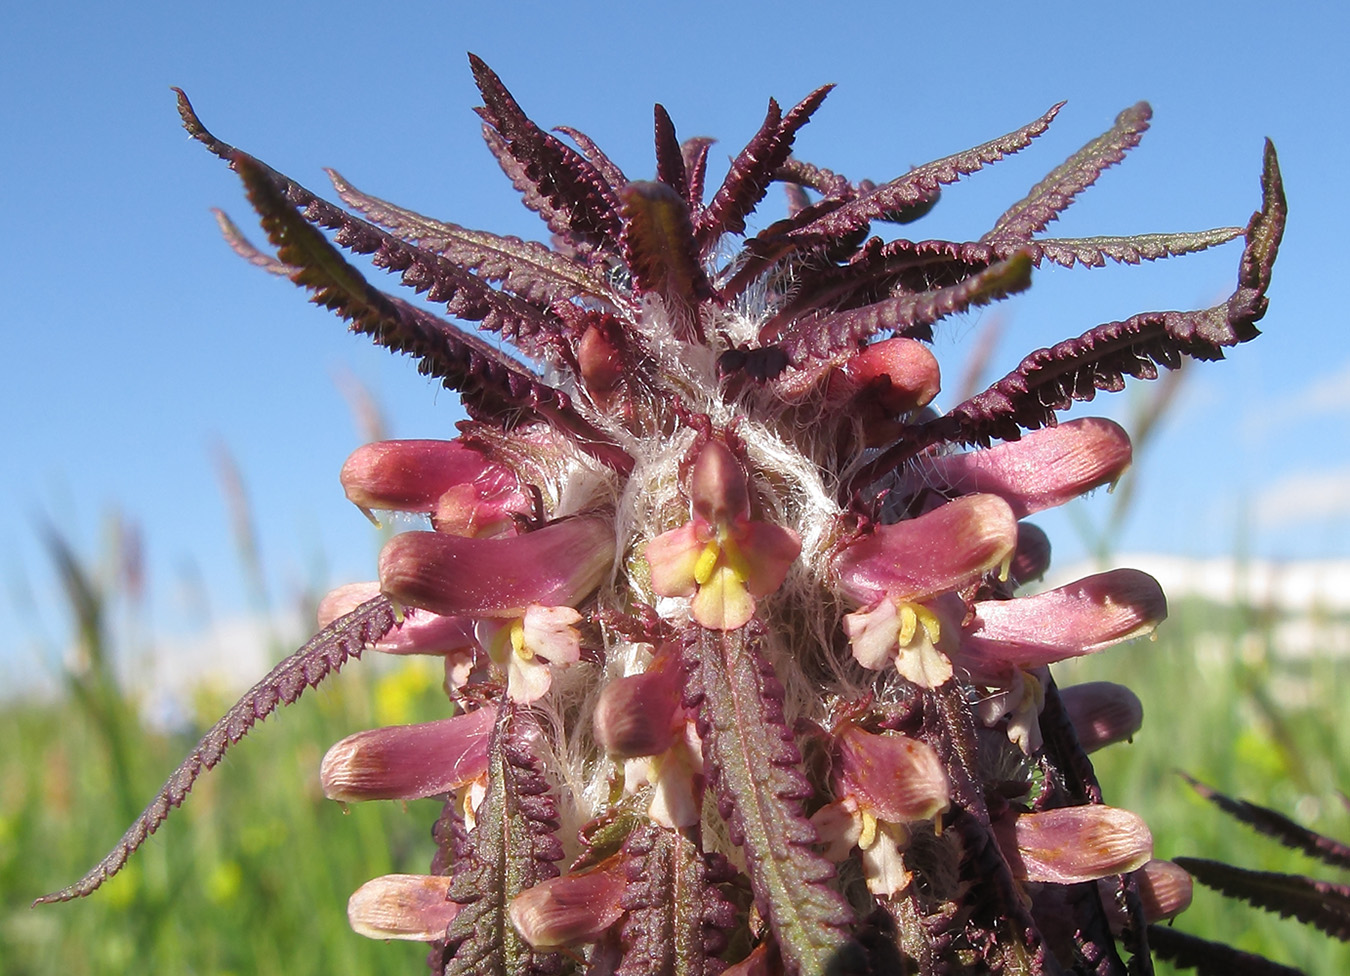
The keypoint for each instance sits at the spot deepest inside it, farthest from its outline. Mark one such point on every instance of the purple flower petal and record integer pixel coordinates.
(408, 762)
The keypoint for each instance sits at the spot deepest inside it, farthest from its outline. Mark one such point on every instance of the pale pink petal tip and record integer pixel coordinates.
(1102, 713)
(412, 475)
(407, 762)
(412, 907)
(1073, 844)
(571, 910)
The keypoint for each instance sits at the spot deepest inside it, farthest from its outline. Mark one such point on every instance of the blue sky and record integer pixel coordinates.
(136, 342)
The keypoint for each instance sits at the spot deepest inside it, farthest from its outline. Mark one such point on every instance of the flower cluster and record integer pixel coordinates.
(742, 677)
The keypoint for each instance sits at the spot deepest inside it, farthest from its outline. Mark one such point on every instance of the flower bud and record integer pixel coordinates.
(717, 487)
(900, 373)
(1047, 467)
(1164, 892)
(1032, 557)
(1072, 844)
(571, 910)
(413, 907)
(635, 716)
(1102, 713)
(408, 762)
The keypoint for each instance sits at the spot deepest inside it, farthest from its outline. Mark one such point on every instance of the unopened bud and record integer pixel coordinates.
(413, 907)
(1102, 713)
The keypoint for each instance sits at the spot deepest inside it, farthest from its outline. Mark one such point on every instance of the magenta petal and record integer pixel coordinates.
(941, 550)
(409, 476)
(1102, 713)
(420, 632)
(407, 762)
(893, 777)
(558, 565)
(1047, 467)
(1073, 844)
(1076, 619)
(571, 910)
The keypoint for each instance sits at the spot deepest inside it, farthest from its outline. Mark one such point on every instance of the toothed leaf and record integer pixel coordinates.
(513, 846)
(323, 654)
(525, 268)
(1053, 195)
(752, 171)
(921, 185)
(1211, 958)
(1277, 825)
(754, 768)
(580, 201)
(1319, 903)
(1094, 252)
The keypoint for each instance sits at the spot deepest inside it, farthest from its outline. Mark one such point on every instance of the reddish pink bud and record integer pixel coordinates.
(637, 715)
(1073, 844)
(408, 762)
(412, 475)
(900, 373)
(571, 910)
(892, 777)
(1032, 557)
(1102, 713)
(1076, 619)
(1165, 891)
(413, 907)
(1047, 467)
(942, 550)
(419, 632)
(601, 365)
(557, 565)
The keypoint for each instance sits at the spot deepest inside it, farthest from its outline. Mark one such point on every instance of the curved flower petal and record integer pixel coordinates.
(1102, 713)
(1073, 844)
(941, 550)
(554, 566)
(571, 910)
(893, 777)
(420, 632)
(413, 475)
(1080, 618)
(408, 762)
(673, 557)
(1046, 468)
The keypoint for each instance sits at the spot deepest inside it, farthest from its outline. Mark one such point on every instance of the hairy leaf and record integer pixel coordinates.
(669, 157)
(659, 249)
(607, 167)
(581, 202)
(1318, 903)
(1052, 196)
(525, 268)
(243, 247)
(921, 185)
(491, 383)
(512, 847)
(1094, 252)
(822, 336)
(1050, 380)
(752, 171)
(1277, 825)
(1211, 958)
(676, 916)
(464, 294)
(323, 654)
(754, 765)
(695, 153)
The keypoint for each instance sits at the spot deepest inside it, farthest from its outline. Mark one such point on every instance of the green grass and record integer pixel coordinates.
(251, 876)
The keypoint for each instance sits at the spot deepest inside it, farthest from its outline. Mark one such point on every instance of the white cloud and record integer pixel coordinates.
(1307, 496)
